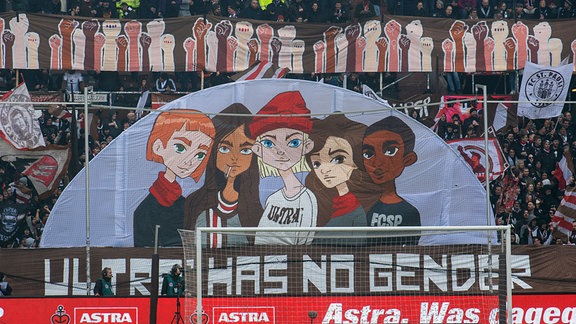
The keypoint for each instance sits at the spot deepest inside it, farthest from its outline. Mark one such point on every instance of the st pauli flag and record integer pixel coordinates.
(17, 123)
(44, 166)
(261, 70)
(368, 92)
(543, 90)
(566, 212)
(473, 151)
(564, 170)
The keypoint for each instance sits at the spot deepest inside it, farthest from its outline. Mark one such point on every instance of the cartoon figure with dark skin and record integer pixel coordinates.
(338, 180)
(388, 148)
(282, 143)
(229, 196)
(182, 141)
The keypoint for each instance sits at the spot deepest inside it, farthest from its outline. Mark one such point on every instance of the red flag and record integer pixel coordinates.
(562, 173)
(44, 167)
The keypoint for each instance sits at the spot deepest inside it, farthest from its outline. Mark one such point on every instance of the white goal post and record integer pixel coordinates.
(347, 275)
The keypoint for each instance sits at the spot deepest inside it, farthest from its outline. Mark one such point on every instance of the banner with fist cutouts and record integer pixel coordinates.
(393, 43)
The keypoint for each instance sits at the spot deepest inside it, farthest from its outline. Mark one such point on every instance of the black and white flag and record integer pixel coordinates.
(543, 90)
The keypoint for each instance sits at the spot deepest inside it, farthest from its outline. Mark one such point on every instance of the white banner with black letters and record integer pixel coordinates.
(543, 90)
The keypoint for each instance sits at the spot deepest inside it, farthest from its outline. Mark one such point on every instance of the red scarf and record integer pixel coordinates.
(343, 205)
(164, 191)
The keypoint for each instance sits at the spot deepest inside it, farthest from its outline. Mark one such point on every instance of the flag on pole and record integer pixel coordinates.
(473, 151)
(17, 123)
(368, 92)
(566, 212)
(564, 170)
(543, 90)
(261, 70)
(44, 167)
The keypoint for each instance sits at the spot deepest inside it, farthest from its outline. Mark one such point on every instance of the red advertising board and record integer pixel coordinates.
(527, 309)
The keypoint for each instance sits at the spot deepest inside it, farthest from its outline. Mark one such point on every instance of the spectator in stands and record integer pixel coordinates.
(567, 10)
(52, 7)
(519, 12)
(73, 82)
(530, 7)
(275, 9)
(74, 10)
(169, 8)
(420, 10)
(364, 10)
(253, 11)
(465, 6)
(449, 14)
(572, 237)
(149, 9)
(485, 11)
(541, 234)
(165, 83)
(297, 9)
(542, 12)
(87, 8)
(127, 12)
(503, 11)
(316, 15)
(438, 11)
(105, 10)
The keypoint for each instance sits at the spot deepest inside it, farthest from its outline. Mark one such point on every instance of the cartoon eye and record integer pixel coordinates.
(338, 159)
(267, 143)
(368, 154)
(179, 148)
(246, 151)
(200, 156)
(294, 143)
(391, 151)
(223, 149)
(316, 164)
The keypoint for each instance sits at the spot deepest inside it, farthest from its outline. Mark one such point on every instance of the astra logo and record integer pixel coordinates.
(244, 314)
(111, 315)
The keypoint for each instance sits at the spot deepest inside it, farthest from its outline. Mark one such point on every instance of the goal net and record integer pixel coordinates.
(346, 275)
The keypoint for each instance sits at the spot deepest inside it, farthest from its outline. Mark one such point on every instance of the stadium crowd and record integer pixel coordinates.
(526, 197)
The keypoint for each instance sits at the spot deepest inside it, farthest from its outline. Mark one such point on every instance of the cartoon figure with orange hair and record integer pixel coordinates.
(182, 141)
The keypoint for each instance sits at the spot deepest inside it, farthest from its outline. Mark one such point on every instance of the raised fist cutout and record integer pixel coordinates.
(32, 43)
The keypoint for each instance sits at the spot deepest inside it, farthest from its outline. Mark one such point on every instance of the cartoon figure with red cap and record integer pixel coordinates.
(282, 142)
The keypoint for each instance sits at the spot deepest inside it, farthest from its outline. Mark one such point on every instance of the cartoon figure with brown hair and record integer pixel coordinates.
(388, 148)
(229, 196)
(282, 142)
(181, 140)
(338, 179)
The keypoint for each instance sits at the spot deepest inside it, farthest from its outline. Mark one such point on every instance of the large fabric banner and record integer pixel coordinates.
(430, 271)
(269, 153)
(389, 43)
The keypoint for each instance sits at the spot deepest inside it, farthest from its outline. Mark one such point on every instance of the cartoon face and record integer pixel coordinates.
(184, 151)
(282, 148)
(234, 153)
(384, 159)
(333, 164)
